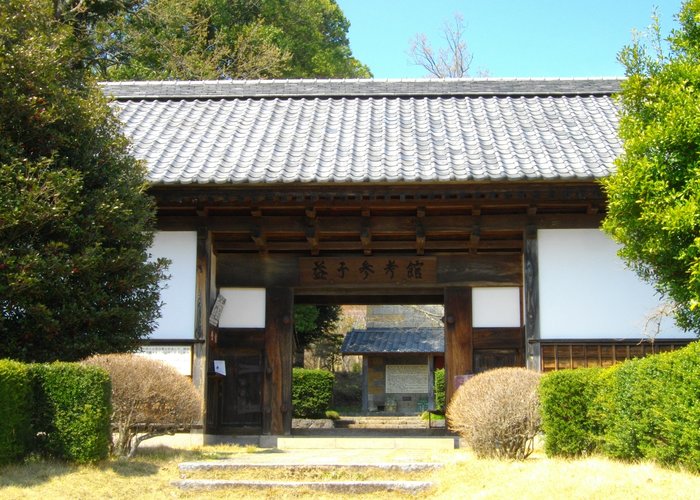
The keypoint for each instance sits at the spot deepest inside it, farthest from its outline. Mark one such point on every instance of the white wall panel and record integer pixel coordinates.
(178, 296)
(245, 308)
(587, 292)
(179, 357)
(497, 307)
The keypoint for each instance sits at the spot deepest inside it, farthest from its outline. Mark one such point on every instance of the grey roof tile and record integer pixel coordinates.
(363, 130)
(394, 340)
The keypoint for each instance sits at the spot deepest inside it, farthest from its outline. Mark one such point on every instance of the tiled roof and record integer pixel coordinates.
(350, 131)
(394, 340)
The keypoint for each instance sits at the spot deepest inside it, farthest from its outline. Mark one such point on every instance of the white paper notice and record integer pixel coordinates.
(220, 367)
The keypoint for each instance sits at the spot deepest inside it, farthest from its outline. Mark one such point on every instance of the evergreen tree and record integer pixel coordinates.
(75, 222)
(312, 324)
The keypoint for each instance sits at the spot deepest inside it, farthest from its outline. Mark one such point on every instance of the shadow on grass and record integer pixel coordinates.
(148, 461)
(37, 470)
(34, 471)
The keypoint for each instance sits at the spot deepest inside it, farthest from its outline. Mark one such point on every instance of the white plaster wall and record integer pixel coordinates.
(587, 292)
(245, 308)
(497, 307)
(179, 357)
(178, 295)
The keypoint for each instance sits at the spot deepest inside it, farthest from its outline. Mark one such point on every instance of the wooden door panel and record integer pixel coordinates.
(236, 398)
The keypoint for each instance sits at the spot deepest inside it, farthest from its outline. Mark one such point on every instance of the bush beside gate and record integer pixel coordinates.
(647, 408)
(60, 410)
(312, 392)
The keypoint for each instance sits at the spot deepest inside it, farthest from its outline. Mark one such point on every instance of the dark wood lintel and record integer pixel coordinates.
(377, 225)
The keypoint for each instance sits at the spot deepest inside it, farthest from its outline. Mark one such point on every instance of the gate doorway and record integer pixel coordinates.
(236, 390)
(375, 247)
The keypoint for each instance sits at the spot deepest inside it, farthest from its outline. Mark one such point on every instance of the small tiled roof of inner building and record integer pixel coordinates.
(394, 340)
(360, 131)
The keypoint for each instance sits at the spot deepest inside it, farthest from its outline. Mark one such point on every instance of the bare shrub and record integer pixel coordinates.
(149, 398)
(497, 412)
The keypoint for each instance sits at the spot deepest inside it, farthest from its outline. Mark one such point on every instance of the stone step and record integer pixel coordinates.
(381, 423)
(351, 487)
(313, 442)
(233, 465)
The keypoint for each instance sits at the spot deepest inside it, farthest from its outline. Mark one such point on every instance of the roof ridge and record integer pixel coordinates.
(222, 89)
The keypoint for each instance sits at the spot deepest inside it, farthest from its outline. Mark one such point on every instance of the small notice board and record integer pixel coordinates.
(407, 379)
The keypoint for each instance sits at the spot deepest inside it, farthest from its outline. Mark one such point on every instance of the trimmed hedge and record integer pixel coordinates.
(647, 408)
(73, 411)
(567, 398)
(312, 392)
(16, 404)
(654, 409)
(439, 389)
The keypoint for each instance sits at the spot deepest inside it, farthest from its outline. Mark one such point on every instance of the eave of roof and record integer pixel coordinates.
(394, 341)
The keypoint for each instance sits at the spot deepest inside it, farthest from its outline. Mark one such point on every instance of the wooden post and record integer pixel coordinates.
(365, 384)
(431, 381)
(201, 327)
(277, 389)
(532, 301)
(459, 349)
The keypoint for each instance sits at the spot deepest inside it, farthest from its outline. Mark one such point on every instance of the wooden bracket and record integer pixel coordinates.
(259, 238)
(474, 238)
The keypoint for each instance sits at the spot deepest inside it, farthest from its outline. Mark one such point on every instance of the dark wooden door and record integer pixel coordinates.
(238, 394)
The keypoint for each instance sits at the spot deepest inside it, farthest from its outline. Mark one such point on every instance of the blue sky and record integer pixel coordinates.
(509, 38)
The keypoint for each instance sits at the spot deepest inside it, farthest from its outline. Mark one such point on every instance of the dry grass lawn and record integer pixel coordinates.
(149, 475)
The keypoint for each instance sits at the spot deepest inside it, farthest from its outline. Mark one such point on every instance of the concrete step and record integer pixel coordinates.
(346, 442)
(234, 465)
(381, 423)
(351, 487)
(334, 466)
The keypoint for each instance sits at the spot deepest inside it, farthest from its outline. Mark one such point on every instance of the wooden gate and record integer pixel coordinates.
(235, 397)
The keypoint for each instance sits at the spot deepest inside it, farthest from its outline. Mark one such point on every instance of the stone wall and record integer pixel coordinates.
(420, 316)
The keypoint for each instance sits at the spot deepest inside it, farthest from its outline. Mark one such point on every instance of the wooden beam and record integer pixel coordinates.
(434, 225)
(509, 245)
(396, 194)
(459, 349)
(282, 270)
(277, 390)
(498, 338)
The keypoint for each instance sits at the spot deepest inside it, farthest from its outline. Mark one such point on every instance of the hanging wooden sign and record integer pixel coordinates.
(367, 270)
(217, 310)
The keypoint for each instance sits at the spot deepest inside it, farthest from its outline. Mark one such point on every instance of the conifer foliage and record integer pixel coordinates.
(75, 222)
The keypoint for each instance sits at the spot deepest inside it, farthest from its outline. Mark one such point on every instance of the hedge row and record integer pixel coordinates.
(647, 408)
(312, 392)
(60, 410)
(16, 404)
(439, 389)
